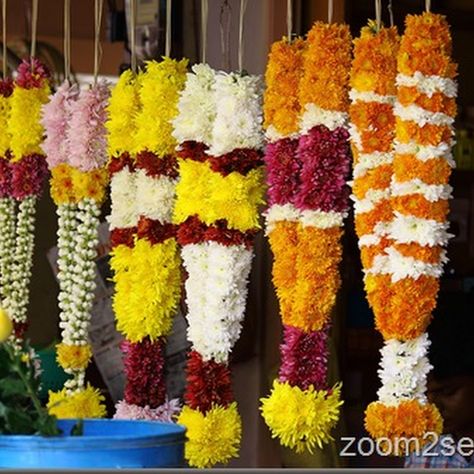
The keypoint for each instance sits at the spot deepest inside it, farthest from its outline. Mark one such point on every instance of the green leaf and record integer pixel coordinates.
(11, 386)
(19, 422)
(78, 428)
(46, 425)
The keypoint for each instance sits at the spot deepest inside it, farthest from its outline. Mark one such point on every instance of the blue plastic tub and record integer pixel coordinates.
(104, 444)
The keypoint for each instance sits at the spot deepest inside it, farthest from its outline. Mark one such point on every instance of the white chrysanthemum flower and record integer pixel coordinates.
(196, 107)
(321, 219)
(368, 161)
(238, 122)
(123, 193)
(410, 229)
(429, 85)
(421, 116)
(371, 198)
(369, 96)
(314, 115)
(403, 370)
(427, 152)
(431, 192)
(156, 196)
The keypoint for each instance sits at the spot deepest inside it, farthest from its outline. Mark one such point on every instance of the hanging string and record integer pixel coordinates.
(378, 14)
(133, 34)
(428, 5)
(330, 10)
(289, 19)
(168, 29)
(67, 39)
(243, 7)
(98, 8)
(225, 18)
(34, 26)
(390, 12)
(204, 22)
(4, 37)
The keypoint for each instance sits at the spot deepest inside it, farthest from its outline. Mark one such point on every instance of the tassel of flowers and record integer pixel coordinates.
(7, 202)
(220, 190)
(28, 170)
(76, 148)
(301, 409)
(424, 111)
(147, 266)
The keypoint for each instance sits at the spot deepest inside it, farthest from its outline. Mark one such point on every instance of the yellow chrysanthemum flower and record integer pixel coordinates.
(73, 357)
(301, 419)
(213, 437)
(24, 124)
(87, 403)
(147, 296)
(124, 106)
(4, 115)
(159, 92)
(90, 185)
(212, 196)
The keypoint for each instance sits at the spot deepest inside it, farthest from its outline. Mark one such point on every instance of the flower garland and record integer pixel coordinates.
(145, 257)
(75, 145)
(419, 194)
(218, 195)
(309, 202)
(27, 171)
(7, 203)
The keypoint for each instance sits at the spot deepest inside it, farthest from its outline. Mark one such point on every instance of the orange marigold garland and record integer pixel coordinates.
(424, 113)
(308, 192)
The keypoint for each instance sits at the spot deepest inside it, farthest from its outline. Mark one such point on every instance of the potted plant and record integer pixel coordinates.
(32, 438)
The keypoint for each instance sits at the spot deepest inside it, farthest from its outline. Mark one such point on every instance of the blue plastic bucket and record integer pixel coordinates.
(104, 444)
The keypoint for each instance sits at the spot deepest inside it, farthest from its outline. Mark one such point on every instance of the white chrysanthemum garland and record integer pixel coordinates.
(76, 144)
(219, 153)
(419, 194)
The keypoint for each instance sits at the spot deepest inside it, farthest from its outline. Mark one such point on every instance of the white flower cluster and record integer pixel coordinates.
(429, 85)
(216, 293)
(421, 116)
(82, 273)
(308, 218)
(238, 122)
(314, 115)
(7, 245)
(196, 106)
(123, 193)
(404, 367)
(156, 197)
(17, 302)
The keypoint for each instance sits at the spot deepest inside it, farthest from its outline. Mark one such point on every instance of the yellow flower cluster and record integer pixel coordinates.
(327, 60)
(86, 403)
(70, 185)
(5, 134)
(148, 284)
(281, 105)
(124, 106)
(24, 124)
(212, 437)
(211, 196)
(159, 92)
(73, 357)
(301, 419)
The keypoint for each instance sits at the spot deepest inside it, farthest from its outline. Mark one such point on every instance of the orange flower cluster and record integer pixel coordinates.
(374, 70)
(425, 49)
(305, 256)
(281, 106)
(375, 61)
(327, 62)
(406, 422)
